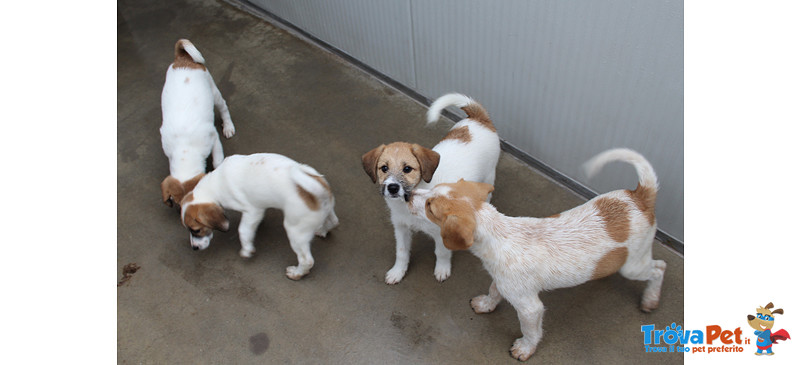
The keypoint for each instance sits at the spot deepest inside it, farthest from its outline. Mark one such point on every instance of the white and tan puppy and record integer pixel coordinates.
(188, 135)
(469, 151)
(612, 232)
(251, 184)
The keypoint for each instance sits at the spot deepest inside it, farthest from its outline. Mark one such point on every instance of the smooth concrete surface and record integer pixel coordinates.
(287, 96)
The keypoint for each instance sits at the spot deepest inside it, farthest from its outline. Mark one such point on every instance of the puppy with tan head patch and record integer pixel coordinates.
(469, 151)
(187, 130)
(611, 233)
(252, 184)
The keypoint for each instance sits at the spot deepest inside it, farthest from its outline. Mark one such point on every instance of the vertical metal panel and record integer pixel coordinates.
(377, 33)
(563, 80)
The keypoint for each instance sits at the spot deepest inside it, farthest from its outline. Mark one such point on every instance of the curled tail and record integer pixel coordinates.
(645, 193)
(317, 194)
(474, 110)
(186, 52)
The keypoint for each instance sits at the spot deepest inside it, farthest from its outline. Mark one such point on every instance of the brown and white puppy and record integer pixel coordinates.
(251, 184)
(611, 233)
(187, 130)
(469, 151)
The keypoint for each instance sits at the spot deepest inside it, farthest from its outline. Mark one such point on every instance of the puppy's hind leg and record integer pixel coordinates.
(228, 130)
(300, 239)
(488, 302)
(653, 272)
(402, 235)
(217, 156)
(331, 222)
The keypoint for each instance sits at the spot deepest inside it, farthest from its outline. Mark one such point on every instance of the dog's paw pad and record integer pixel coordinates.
(246, 253)
(481, 304)
(394, 276)
(649, 305)
(521, 350)
(441, 272)
(228, 131)
(294, 273)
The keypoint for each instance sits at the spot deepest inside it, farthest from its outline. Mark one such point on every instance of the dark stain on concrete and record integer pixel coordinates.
(413, 329)
(259, 343)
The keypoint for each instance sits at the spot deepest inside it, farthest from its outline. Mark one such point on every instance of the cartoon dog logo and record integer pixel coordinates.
(762, 322)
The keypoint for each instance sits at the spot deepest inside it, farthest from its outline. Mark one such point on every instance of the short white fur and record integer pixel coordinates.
(253, 183)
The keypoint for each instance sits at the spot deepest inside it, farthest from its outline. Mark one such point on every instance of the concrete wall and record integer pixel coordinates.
(562, 80)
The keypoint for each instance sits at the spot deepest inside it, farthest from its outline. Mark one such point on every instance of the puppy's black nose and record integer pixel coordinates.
(393, 188)
(195, 248)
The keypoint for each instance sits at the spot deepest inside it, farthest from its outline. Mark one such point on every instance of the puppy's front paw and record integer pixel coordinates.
(394, 275)
(521, 350)
(295, 273)
(442, 271)
(246, 252)
(482, 304)
(228, 130)
(649, 305)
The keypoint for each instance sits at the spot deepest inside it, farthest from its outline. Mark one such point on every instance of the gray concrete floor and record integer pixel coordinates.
(289, 97)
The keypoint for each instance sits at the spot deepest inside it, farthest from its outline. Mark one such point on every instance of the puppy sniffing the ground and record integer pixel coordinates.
(252, 184)
(188, 135)
(469, 151)
(611, 233)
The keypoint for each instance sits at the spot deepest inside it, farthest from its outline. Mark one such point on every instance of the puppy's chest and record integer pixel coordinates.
(400, 215)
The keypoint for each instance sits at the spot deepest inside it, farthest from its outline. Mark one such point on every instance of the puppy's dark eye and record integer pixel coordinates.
(384, 168)
(407, 169)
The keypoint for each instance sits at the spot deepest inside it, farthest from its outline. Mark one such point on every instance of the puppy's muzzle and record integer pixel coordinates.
(393, 189)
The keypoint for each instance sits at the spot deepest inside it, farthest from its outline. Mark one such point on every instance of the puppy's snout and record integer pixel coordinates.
(195, 248)
(750, 317)
(393, 188)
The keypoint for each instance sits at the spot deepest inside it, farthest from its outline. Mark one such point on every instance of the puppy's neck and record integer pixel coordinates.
(496, 232)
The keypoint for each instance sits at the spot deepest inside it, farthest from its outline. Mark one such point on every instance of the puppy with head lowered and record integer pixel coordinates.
(188, 135)
(469, 151)
(612, 232)
(252, 184)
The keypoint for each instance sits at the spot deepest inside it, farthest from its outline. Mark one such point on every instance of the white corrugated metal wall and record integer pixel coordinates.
(563, 80)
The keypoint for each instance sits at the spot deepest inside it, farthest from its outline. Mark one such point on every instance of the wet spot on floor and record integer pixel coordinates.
(259, 343)
(127, 272)
(414, 330)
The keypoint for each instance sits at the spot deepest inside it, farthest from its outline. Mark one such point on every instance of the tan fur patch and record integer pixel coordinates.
(555, 215)
(456, 215)
(460, 134)
(308, 198)
(645, 199)
(615, 214)
(477, 113)
(184, 60)
(610, 262)
(322, 182)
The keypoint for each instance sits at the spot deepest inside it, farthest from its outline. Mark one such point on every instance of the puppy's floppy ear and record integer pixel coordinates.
(370, 162)
(458, 231)
(428, 161)
(214, 216)
(171, 191)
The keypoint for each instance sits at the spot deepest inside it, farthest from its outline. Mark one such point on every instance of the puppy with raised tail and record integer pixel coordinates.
(469, 151)
(612, 232)
(252, 184)
(188, 135)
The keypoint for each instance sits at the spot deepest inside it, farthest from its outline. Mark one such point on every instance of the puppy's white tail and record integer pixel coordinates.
(307, 178)
(647, 176)
(184, 47)
(474, 110)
